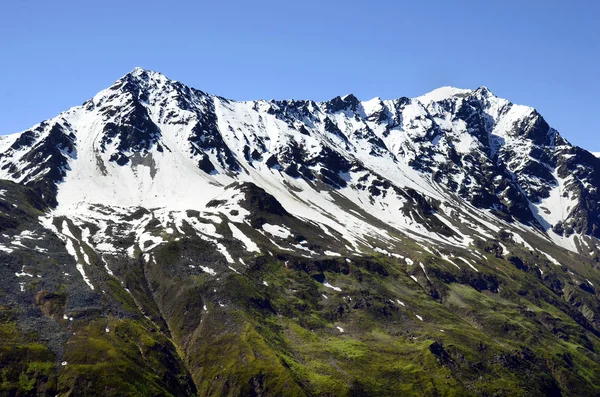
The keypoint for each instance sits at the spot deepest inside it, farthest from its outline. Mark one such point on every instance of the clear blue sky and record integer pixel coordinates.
(546, 54)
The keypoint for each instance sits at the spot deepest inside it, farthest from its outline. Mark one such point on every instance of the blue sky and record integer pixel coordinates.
(545, 54)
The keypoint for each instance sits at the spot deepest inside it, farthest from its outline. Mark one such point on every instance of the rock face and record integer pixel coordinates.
(215, 247)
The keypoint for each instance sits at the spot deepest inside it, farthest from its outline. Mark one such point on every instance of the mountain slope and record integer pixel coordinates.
(271, 247)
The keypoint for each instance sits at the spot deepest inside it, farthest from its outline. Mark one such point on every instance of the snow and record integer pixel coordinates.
(441, 94)
(276, 230)
(6, 249)
(18, 244)
(465, 144)
(221, 248)
(447, 258)
(505, 250)
(28, 235)
(107, 268)
(303, 248)
(71, 249)
(519, 240)
(22, 273)
(372, 106)
(66, 231)
(551, 259)
(340, 329)
(208, 270)
(541, 271)
(73, 252)
(468, 263)
(557, 206)
(177, 183)
(381, 250)
(326, 284)
(419, 317)
(423, 268)
(176, 174)
(85, 278)
(237, 234)
(168, 182)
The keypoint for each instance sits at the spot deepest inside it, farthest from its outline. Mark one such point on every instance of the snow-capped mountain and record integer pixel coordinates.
(454, 180)
(151, 142)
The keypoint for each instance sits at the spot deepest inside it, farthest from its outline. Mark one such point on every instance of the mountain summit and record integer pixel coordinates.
(229, 248)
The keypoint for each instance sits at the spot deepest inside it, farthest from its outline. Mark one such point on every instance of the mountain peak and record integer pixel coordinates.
(484, 91)
(441, 94)
(349, 97)
(139, 82)
(348, 101)
(139, 71)
(141, 75)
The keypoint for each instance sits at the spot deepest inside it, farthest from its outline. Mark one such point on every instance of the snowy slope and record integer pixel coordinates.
(369, 170)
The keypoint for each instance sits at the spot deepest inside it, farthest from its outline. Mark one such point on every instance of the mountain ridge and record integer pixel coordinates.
(135, 87)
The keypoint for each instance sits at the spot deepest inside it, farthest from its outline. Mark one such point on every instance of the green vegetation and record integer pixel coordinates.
(129, 359)
(284, 324)
(26, 364)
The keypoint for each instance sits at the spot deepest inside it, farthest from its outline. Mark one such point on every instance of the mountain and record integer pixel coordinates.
(159, 240)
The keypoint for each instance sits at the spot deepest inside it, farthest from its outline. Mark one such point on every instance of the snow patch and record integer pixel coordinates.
(208, 270)
(326, 284)
(276, 230)
(237, 234)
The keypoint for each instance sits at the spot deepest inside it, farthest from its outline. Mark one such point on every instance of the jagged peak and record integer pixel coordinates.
(138, 83)
(139, 71)
(348, 101)
(372, 105)
(142, 77)
(349, 97)
(442, 93)
(483, 90)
